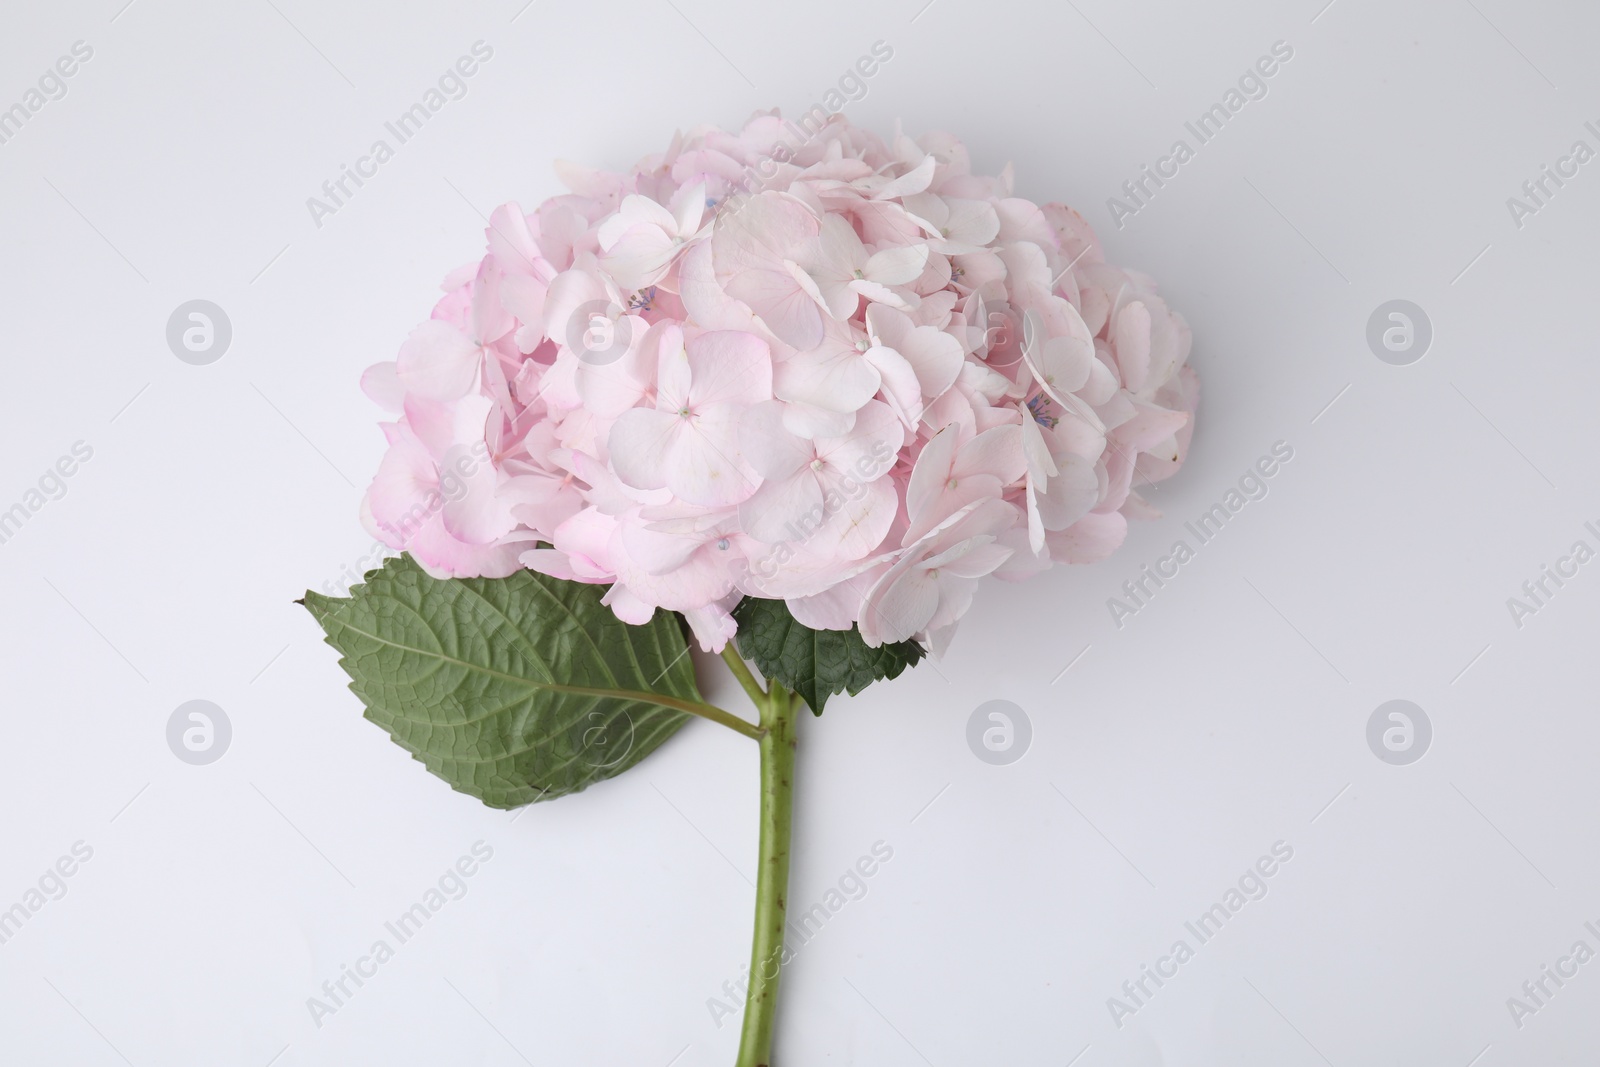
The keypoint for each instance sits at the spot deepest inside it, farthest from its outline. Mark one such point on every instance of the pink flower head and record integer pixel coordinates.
(849, 374)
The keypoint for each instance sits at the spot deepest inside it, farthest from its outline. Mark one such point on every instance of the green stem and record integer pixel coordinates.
(715, 714)
(693, 707)
(741, 671)
(778, 717)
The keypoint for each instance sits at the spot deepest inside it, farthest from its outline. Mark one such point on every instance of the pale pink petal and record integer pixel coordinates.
(896, 266)
(899, 605)
(641, 445)
(703, 466)
(930, 473)
(868, 449)
(750, 247)
(404, 492)
(586, 539)
(523, 295)
(971, 222)
(658, 551)
(628, 605)
(442, 556)
(635, 212)
(511, 242)
(786, 309)
(1149, 426)
(860, 515)
(610, 386)
(573, 297)
(996, 452)
(1131, 340)
(834, 378)
(810, 421)
(1089, 540)
(639, 256)
(935, 356)
(787, 509)
(1071, 494)
(879, 293)
(834, 608)
(442, 427)
(899, 384)
(768, 447)
(490, 319)
(689, 207)
(674, 375)
(912, 181)
(713, 627)
(834, 293)
(704, 299)
(473, 511)
(438, 361)
(381, 383)
(973, 558)
(729, 368)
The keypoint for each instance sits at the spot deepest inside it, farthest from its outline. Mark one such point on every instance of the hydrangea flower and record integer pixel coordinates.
(852, 375)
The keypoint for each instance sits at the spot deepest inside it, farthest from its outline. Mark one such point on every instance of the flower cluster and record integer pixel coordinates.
(816, 367)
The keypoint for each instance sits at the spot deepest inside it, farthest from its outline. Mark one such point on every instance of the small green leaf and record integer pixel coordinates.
(513, 689)
(815, 663)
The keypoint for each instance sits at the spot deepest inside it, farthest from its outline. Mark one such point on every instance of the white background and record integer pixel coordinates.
(1227, 715)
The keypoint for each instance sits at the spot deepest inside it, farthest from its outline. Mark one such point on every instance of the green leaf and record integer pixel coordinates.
(513, 689)
(815, 663)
